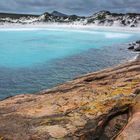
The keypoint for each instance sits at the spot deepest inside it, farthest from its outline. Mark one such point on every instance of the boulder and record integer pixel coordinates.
(137, 48)
(138, 42)
(131, 48)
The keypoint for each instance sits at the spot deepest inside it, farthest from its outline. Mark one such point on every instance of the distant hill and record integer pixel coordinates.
(106, 18)
(56, 13)
(15, 16)
(102, 18)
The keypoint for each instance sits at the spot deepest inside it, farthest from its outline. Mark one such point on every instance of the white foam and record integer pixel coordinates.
(134, 58)
(44, 26)
(117, 35)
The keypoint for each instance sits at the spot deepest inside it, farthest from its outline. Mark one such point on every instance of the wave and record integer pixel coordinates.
(117, 35)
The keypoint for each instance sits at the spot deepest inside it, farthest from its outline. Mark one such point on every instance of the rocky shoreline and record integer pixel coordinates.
(135, 46)
(102, 105)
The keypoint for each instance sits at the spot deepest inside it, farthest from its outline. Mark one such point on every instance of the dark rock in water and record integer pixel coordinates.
(131, 48)
(137, 49)
(138, 42)
(133, 25)
(134, 46)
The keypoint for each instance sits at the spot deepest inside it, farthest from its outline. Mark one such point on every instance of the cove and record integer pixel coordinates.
(33, 60)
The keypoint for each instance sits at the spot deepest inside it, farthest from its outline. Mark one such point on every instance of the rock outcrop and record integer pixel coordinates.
(132, 130)
(94, 106)
(135, 46)
(106, 18)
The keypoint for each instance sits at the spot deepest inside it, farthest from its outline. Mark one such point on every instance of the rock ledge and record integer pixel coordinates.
(94, 106)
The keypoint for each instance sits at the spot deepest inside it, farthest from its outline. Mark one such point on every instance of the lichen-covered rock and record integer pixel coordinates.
(77, 110)
(132, 130)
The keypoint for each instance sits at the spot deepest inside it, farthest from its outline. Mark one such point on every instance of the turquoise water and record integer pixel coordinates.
(29, 48)
(33, 60)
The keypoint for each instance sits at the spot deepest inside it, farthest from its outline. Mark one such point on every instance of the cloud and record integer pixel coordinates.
(69, 6)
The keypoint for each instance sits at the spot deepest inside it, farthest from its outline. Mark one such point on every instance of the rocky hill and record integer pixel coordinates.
(107, 18)
(102, 18)
(60, 18)
(17, 18)
(56, 13)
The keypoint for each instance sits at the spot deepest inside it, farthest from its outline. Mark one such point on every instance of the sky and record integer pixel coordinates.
(79, 7)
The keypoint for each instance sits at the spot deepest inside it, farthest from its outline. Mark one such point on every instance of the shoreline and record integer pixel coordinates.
(135, 58)
(122, 62)
(73, 109)
(78, 109)
(67, 26)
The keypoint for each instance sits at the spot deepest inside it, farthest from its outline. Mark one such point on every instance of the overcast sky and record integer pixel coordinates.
(80, 7)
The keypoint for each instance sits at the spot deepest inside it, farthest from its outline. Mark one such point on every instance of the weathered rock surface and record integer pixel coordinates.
(94, 106)
(132, 130)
